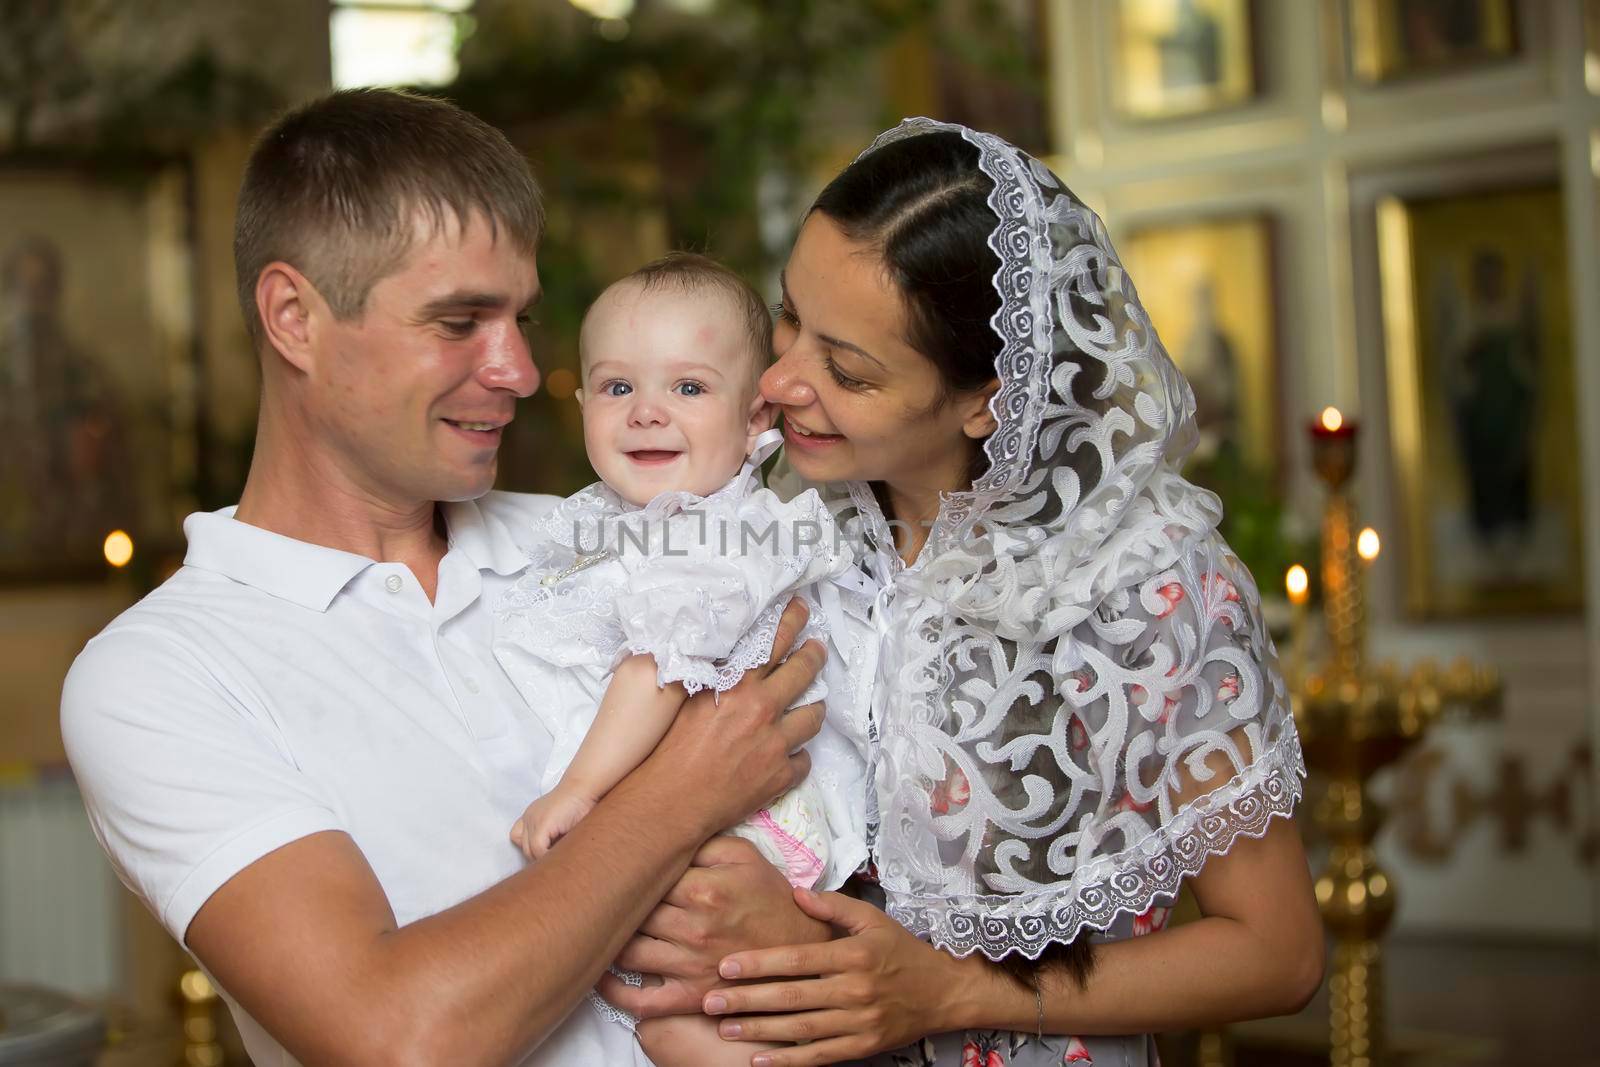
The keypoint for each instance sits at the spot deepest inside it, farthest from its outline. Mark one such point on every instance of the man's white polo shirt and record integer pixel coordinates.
(272, 689)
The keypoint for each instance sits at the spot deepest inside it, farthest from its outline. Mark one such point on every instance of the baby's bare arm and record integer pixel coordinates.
(633, 717)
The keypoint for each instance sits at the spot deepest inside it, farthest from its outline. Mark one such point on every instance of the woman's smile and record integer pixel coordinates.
(797, 436)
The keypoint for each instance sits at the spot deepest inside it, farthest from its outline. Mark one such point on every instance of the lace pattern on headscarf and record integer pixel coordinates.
(1076, 642)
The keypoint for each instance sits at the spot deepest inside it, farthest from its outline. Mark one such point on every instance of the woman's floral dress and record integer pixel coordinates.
(1005, 1048)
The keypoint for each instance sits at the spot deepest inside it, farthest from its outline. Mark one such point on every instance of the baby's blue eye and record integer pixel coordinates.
(616, 389)
(690, 388)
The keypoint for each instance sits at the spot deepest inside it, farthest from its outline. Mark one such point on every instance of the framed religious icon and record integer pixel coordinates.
(97, 363)
(1182, 57)
(1397, 38)
(1208, 286)
(1479, 345)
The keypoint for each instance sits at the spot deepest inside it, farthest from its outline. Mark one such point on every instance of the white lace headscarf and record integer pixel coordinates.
(1075, 641)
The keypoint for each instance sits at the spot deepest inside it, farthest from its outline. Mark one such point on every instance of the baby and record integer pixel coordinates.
(668, 576)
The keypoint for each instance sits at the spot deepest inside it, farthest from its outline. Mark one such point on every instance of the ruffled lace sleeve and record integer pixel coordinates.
(1180, 717)
(705, 599)
(1151, 737)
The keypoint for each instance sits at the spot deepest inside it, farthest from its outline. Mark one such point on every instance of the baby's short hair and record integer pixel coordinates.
(690, 272)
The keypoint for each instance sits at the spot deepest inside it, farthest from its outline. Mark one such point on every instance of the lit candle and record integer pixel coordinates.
(1332, 424)
(1298, 585)
(1333, 446)
(1368, 545)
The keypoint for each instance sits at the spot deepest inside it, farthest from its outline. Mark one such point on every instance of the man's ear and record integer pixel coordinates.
(287, 301)
(976, 420)
(761, 415)
(579, 394)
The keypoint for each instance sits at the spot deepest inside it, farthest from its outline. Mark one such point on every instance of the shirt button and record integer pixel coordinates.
(393, 583)
(472, 685)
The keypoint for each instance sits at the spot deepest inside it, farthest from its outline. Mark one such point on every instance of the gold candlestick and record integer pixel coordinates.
(200, 1004)
(1353, 721)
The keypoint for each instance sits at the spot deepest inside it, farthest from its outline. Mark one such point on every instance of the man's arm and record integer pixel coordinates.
(472, 984)
(305, 940)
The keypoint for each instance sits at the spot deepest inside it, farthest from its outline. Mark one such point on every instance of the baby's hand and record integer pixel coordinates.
(548, 819)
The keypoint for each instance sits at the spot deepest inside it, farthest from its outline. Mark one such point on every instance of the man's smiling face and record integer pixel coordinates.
(416, 390)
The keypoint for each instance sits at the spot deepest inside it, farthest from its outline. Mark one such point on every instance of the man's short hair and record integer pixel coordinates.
(335, 186)
(690, 272)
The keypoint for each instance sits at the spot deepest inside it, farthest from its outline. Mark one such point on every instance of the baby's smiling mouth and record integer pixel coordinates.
(652, 457)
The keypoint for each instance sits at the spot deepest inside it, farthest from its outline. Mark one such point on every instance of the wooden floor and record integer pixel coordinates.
(1450, 1004)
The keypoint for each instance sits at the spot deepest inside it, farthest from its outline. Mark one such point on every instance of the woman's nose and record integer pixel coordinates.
(784, 383)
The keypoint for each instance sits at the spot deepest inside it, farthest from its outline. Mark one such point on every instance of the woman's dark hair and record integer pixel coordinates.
(923, 204)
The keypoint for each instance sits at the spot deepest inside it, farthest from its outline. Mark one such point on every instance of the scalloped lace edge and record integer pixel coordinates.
(935, 918)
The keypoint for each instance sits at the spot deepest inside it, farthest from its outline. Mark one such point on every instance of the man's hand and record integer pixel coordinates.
(730, 900)
(724, 757)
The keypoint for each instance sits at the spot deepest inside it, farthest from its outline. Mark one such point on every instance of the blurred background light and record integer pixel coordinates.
(375, 42)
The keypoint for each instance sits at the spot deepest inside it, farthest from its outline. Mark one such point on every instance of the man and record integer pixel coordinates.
(299, 751)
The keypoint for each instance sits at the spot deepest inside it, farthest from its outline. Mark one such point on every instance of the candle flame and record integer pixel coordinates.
(1368, 545)
(1298, 583)
(118, 548)
(1332, 419)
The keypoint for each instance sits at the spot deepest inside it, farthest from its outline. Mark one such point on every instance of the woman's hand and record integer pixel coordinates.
(875, 988)
(731, 898)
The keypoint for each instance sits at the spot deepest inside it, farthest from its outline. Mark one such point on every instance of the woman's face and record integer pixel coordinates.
(858, 402)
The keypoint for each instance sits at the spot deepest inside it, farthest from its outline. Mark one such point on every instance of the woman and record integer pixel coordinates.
(1076, 704)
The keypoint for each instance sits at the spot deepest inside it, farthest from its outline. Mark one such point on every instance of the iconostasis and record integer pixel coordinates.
(1389, 207)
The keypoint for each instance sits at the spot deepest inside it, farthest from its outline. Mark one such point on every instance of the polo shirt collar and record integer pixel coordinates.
(487, 543)
(313, 575)
(296, 571)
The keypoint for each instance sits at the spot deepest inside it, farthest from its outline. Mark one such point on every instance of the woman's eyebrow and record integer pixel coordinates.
(857, 349)
(783, 287)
